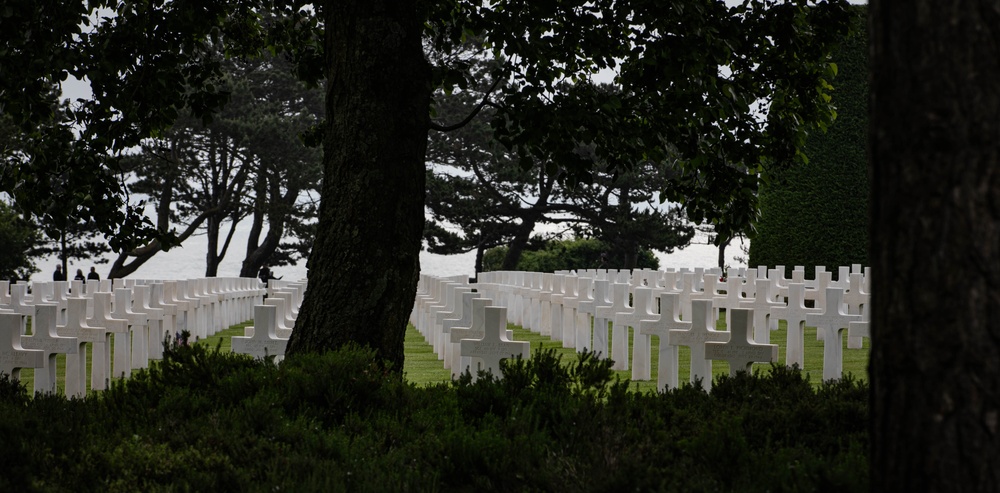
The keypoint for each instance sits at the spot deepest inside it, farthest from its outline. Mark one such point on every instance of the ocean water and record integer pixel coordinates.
(188, 261)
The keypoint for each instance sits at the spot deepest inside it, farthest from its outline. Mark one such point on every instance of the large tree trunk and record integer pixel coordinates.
(211, 254)
(518, 243)
(935, 361)
(364, 264)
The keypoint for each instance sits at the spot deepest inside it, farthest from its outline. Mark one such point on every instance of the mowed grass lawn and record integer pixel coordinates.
(422, 367)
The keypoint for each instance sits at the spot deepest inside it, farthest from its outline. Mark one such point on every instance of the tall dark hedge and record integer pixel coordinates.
(576, 254)
(817, 213)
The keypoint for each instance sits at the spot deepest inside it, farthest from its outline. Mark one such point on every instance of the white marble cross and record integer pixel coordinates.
(702, 332)
(857, 300)
(13, 356)
(668, 320)
(544, 315)
(831, 323)
(643, 309)
(76, 364)
(45, 338)
(860, 329)
(260, 341)
(619, 334)
(740, 350)
(494, 346)
(569, 303)
(584, 307)
(138, 349)
(100, 373)
(475, 330)
(762, 306)
(462, 317)
(555, 324)
(602, 304)
(283, 325)
(795, 316)
(155, 318)
(732, 299)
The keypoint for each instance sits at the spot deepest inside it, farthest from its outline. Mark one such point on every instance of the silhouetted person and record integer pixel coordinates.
(59, 275)
(93, 274)
(79, 275)
(265, 275)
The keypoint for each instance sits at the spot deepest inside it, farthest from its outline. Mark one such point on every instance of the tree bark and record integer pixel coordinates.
(722, 254)
(211, 254)
(935, 164)
(518, 243)
(364, 264)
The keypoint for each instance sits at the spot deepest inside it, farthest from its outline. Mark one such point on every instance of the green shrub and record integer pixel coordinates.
(578, 254)
(210, 421)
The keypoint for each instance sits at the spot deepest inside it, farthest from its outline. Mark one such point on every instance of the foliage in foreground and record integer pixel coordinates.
(211, 421)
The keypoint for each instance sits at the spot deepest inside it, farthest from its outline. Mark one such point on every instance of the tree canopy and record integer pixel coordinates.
(720, 95)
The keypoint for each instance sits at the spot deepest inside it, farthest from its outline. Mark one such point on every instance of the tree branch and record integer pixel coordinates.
(464, 122)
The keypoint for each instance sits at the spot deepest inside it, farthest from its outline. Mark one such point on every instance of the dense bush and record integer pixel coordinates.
(817, 213)
(578, 254)
(209, 421)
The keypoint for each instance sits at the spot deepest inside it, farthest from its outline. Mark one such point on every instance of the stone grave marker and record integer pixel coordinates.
(283, 327)
(76, 363)
(643, 310)
(475, 330)
(668, 320)
(601, 305)
(762, 306)
(702, 332)
(494, 346)
(740, 350)
(831, 322)
(13, 356)
(555, 324)
(569, 302)
(461, 318)
(619, 334)
(688, 292)
(733, 298)
(544, 316)
(155, 318)
(44, 337)
(795, 317)
(101, 317)
(260, 340)
(857, 300)
(451, 310)
(138, 347)
(859, 329)
(584, 297)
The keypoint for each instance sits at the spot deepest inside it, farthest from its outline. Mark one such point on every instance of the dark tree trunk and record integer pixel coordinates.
(480, 252)
(519, 242)
(722, 254)
(631, 255)
(935, 232)
(253, 260)
(364, 263)
(212, 256)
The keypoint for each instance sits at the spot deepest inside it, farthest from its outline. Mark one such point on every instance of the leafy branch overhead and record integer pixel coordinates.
(726, 94)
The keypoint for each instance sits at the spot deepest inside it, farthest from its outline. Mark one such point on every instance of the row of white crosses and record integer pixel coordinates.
(591, 300)
(465, 327)
(125, 321)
